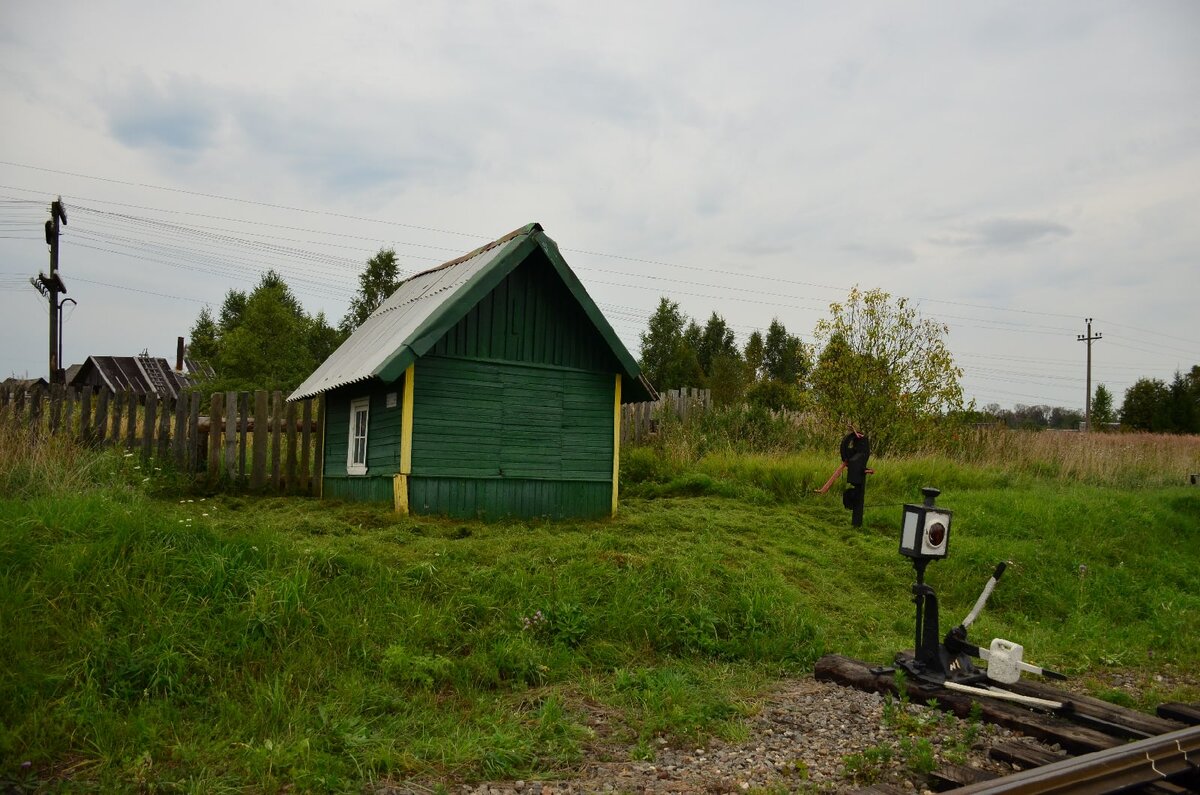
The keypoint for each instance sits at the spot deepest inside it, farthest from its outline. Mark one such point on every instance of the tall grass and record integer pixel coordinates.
(34, 463)
(1113, 459)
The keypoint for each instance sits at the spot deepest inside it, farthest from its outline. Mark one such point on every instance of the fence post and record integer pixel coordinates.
(148, 425)
(164, 429)
(243, 427)
(179, 443)
(305, 440)
(231, 436)
(291, 448)
(215, 411)
(258, 470)
(102, 417)
(194, 453)
(276, 423)
(85, 416)
(117, 415)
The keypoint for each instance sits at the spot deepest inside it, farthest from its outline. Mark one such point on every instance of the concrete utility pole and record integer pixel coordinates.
(1088, 338)
(52, 286)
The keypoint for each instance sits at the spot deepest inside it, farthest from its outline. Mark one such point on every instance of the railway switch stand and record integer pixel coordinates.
(948, 661)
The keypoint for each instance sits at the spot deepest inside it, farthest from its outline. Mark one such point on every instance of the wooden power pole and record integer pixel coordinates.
(1089, 338)
(52, 286)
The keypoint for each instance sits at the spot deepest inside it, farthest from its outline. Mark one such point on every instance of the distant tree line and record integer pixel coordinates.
(1151, 404)
(874, 365)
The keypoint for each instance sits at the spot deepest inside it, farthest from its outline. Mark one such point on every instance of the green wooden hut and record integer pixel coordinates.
(487, 386)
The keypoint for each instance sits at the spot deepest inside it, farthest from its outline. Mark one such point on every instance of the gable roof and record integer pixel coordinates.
(425, 306)
(141, 375)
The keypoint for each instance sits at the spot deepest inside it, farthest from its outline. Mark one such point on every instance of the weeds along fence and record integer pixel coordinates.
(639, 421)
(242, 439)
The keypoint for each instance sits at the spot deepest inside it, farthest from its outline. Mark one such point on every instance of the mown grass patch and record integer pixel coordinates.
(236, 643)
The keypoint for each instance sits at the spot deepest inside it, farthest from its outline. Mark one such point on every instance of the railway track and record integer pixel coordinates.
(1112, 749)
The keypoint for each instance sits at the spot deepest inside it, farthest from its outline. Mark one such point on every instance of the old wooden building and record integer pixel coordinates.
(490, 385)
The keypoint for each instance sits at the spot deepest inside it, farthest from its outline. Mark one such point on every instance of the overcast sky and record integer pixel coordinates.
(1012, 167)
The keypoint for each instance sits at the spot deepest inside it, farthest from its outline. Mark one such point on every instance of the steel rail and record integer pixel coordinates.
(1112, 770)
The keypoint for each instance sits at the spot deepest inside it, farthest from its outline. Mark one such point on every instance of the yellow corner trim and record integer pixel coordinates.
(400, 494)
(406, 424)
(616, 441)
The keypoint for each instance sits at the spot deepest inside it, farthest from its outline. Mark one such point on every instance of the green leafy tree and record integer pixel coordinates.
(1183, 412)
(232, 310)
(668, 361)
(1145, 405)
(202, 343)
(884, 369)
(753, 355)
(784, 357)
(263, 339)
(1102, 407)
(727, 380)
(377, 281)
(716, 340)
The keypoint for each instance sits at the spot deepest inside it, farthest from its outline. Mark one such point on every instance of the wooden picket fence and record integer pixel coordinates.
(245, 440)
(639, 421)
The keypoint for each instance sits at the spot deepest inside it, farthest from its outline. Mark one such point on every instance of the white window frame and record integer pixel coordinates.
(358, 405)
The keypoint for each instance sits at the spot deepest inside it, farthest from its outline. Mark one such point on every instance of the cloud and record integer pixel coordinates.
(1002, 233)
(178, 116)
(881, 253)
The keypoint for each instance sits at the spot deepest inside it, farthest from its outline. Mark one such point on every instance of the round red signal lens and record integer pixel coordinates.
(936, 534)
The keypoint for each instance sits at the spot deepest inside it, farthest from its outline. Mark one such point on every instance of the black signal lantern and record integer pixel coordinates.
(925, 533)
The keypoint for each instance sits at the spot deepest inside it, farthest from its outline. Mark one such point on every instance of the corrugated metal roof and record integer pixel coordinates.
(424, 306)
(396, 322)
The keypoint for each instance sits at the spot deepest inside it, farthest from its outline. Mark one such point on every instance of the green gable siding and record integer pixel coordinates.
(532, 317)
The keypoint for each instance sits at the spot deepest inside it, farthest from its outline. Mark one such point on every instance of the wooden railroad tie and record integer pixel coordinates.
(1110, 748)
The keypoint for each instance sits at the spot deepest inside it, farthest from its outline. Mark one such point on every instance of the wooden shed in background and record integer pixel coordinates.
(487, 386)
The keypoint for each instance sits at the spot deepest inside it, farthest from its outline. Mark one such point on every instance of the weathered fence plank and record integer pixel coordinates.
(244, 411)
(195, 455)
(258, 470)
(118, 406)
(131, 437)
(148, 425)
(85, 416)
(290, 476)
(276, 422)
(102, 416)
(231, 401)
(164, 429)
(179, 438)
(216, 410)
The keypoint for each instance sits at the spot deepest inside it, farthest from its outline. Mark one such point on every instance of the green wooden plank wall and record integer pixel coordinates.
(494, 419)
(500, 497)
(383, 430)
(529, 317)
(357, 489)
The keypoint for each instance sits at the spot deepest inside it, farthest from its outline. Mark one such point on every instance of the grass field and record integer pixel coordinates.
(229, 643)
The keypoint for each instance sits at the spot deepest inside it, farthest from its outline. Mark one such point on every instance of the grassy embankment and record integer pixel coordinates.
(242, 643)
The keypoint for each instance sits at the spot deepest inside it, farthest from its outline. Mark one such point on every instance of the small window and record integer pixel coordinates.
(356, 457)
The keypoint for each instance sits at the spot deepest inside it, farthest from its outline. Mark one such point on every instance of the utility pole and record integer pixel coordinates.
(52, 286)
(1089, 338)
